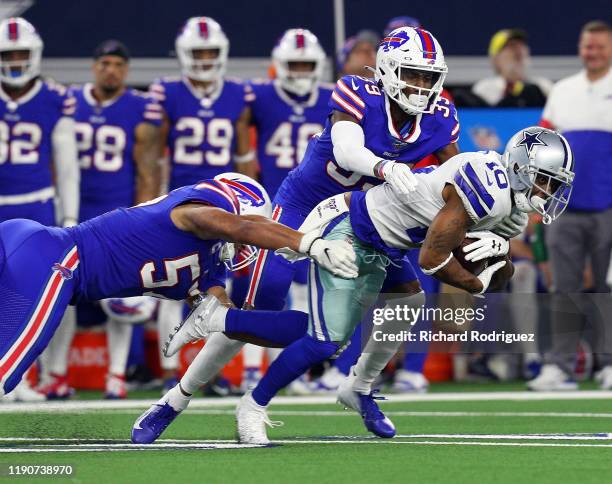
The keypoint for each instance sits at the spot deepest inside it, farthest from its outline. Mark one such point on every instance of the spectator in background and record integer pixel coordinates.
(401, 21)
(580, 107)
(358, 53)
(509, 54)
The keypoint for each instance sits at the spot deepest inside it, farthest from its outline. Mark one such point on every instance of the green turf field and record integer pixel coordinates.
(443, 437)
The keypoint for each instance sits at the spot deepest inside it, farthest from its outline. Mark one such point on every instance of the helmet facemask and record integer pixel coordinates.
(546, 193)
(204, 69)
(18, 72)
(397, 77)
(238, 256)
(297, 81)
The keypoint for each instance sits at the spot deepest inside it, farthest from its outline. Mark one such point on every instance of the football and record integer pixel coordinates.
(473, 267)
(500, 278)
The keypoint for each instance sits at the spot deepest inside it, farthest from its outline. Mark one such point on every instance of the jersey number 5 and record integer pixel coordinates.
(171, 269)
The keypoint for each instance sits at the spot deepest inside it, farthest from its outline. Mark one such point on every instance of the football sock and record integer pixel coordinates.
(279, 327)
(119, 337)
(177, 399)
(298, 357)
(55, 357)
(217, 351)
(252, 356)
(377, 354)
(169, 315)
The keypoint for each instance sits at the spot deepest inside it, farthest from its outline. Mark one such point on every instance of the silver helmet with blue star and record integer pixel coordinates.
(540, 168)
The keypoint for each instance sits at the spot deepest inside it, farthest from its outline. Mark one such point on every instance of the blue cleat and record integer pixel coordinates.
(366, 406)
(151, 424)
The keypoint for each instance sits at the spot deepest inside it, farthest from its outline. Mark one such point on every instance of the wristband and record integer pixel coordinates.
(433, 270)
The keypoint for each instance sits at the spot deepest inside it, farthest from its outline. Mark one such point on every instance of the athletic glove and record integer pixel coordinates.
(486, 275)
(512, 225)
(399, 176)
(487, 245)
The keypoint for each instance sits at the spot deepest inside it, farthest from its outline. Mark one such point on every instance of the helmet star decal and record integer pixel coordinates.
(530, 140)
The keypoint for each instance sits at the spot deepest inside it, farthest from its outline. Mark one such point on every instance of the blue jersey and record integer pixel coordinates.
(139, 250)
(106, 135)
(319, 176)
(284, 125)
(202, 137)
(26, 127)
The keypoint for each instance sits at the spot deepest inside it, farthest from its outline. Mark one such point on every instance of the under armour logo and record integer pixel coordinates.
(64, 271)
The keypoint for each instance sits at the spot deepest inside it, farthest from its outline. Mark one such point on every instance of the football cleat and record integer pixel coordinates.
(115, 387)
(251, 421)
(410, 382)
(604, 378)
(195, 326)
(365, 405)
(151, 424)
(23, 392)
(552, 379)
(57, 388)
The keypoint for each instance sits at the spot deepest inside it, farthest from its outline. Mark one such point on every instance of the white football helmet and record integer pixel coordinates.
(298, 45)
(129, 310)
(202, 33)
(19, 34)
(540, 159)
(254, 200)
(411, 49)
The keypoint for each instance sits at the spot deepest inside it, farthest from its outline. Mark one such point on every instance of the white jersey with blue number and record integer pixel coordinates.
(389, 222)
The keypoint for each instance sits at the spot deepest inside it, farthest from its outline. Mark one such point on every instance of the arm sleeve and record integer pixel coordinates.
(349, 148)
(66, 168)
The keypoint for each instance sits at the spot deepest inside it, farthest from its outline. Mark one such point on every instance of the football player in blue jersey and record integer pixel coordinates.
(37, 143)
(171, 247)
(286, 113)
(117, 131)
(205, 125)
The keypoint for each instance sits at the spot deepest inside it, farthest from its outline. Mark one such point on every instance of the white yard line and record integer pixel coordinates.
(81, 405)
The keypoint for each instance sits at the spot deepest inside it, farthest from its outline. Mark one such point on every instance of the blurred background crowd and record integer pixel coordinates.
(530, 67)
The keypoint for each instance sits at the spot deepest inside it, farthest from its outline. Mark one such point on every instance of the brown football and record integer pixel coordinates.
(501, 277)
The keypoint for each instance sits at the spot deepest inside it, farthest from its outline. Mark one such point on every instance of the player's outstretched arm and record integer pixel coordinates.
(445, 234)
(208, 223)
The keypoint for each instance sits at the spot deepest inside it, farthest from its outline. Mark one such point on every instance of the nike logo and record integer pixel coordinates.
(326, 250)
(488, 179)
(140, 419)
(355, 87)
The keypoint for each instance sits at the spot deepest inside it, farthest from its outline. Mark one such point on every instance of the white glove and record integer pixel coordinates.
(336, 256)
(512, 225)
(487, 245)
(69, 222)
(399, 176)
(486, 275)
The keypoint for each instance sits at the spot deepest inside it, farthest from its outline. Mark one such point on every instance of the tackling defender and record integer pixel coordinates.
(169, 247)
(471, 195)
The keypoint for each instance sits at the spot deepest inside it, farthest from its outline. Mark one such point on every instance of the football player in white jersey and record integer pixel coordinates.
(472, 194)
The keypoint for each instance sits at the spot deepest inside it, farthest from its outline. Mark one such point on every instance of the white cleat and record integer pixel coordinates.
(198, 324)
(251, 420)
(410, 382)
(23, 392)
(552, 379)
(604, 378)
